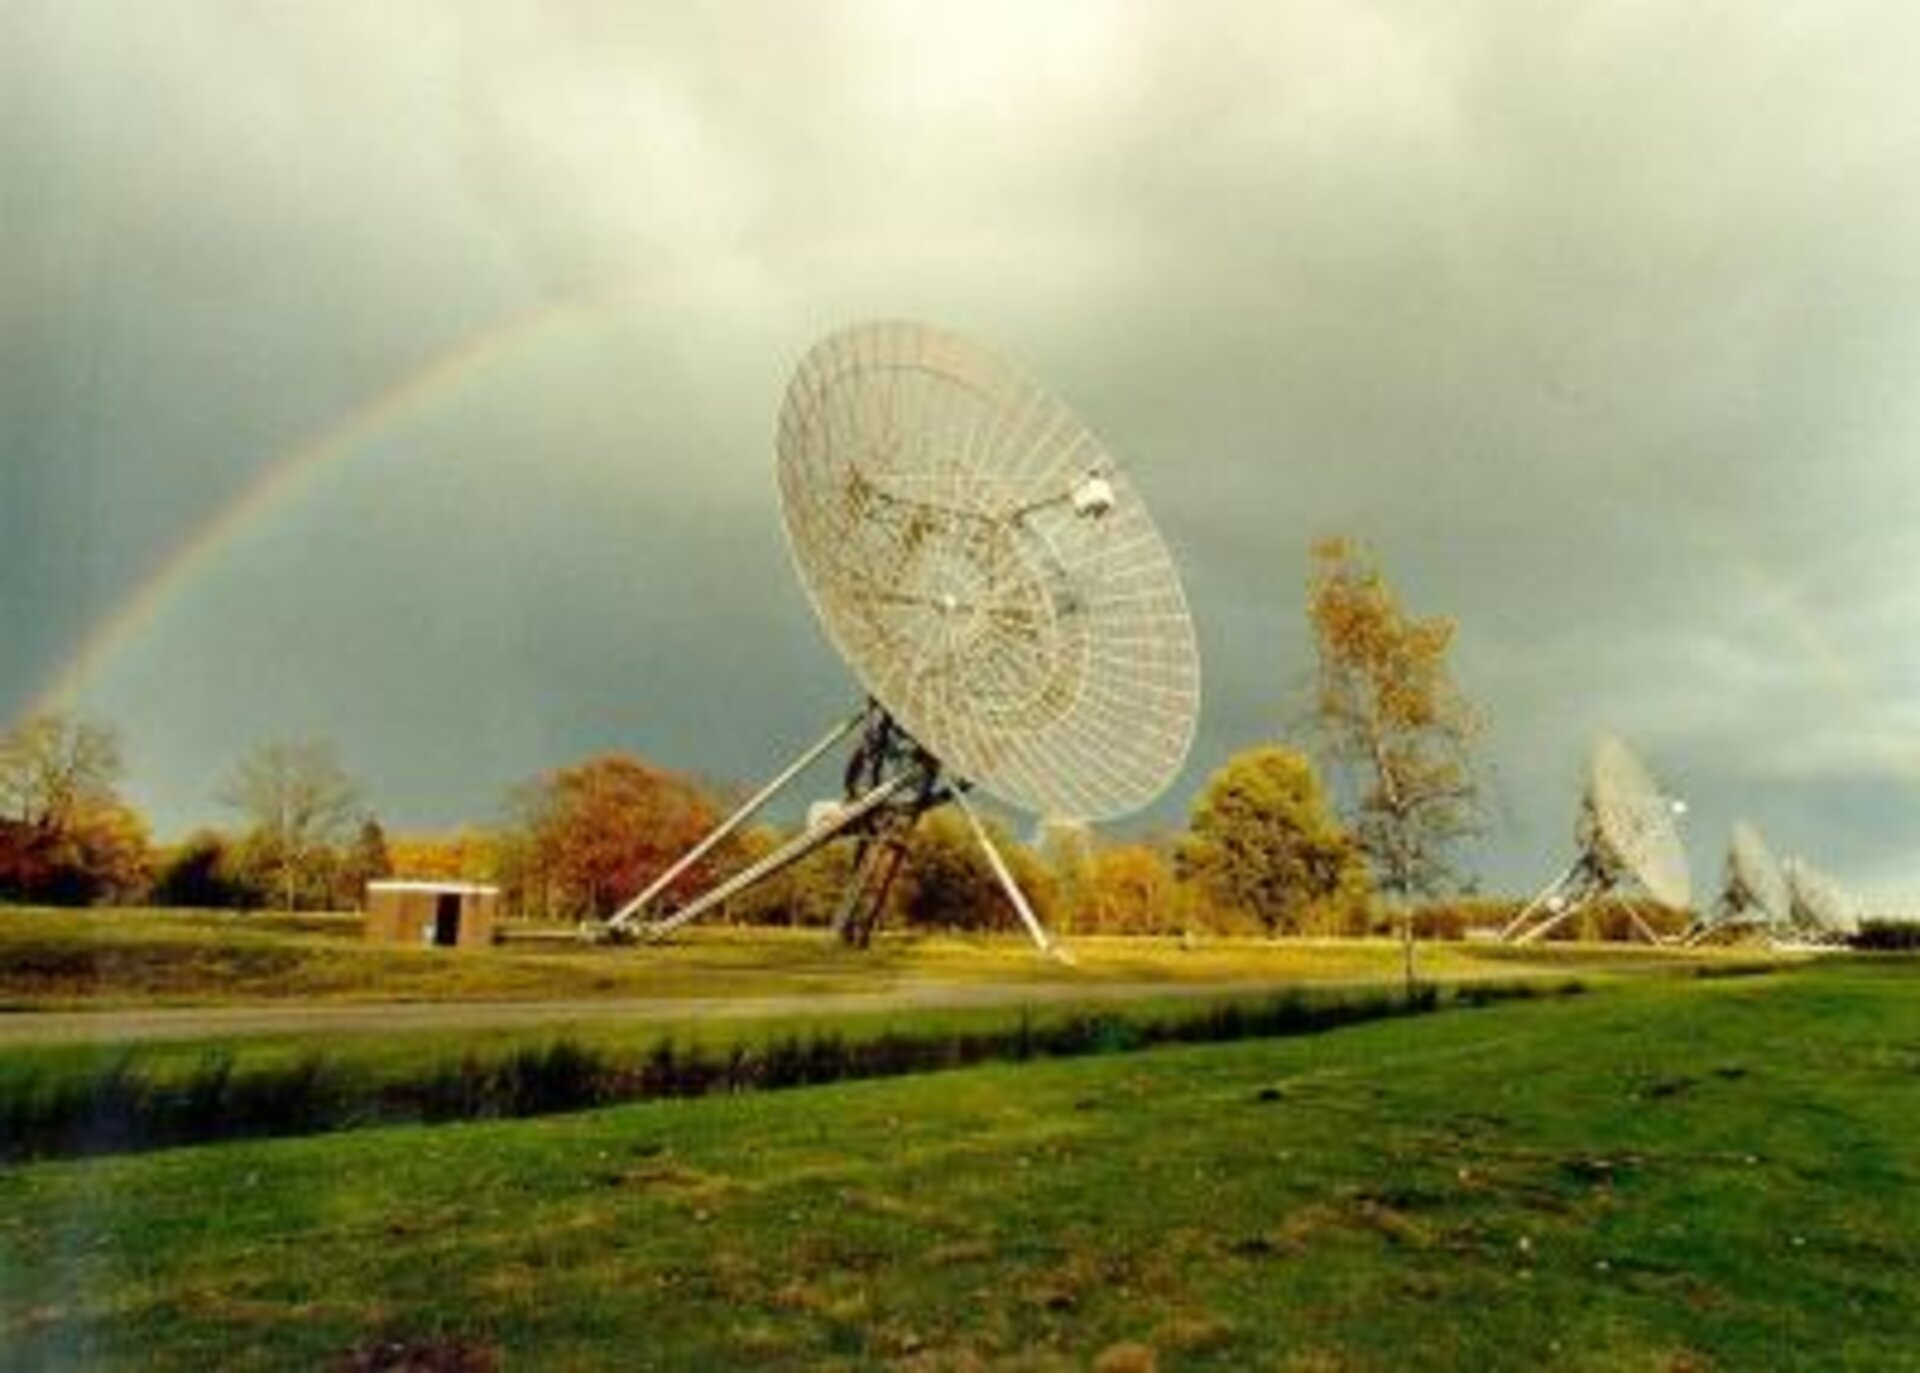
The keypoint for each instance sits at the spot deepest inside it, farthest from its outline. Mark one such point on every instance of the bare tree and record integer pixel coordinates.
(65, 835)
(53, 766)
(300, 804)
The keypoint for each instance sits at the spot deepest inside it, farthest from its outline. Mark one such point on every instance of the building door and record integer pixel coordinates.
(446, 920)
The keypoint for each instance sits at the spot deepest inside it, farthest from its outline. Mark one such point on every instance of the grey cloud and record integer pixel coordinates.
(1598, 323)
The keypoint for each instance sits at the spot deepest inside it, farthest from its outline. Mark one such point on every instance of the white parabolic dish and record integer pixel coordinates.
(1757, 872)
(1634, 823)
(987, 570)
(1822, 902)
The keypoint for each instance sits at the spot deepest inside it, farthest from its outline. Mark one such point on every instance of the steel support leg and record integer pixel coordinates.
(1005, 874)
(1640, 923)
(866, 895)
(785, 856)
(634, 908)
(1510, 933)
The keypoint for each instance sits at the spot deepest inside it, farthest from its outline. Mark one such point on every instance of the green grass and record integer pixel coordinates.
(1674, 1173)
(52, 960)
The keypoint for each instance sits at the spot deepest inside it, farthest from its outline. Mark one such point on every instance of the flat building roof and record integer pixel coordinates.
(427, 884)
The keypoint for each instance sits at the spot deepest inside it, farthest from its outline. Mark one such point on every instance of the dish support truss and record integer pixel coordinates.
(1586, 881)
(890, 782)
(1733, 920)
(1736, 914)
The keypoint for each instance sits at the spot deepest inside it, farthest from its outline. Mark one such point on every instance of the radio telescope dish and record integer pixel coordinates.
(1755, 894)
(1754, 879)
(1635, 824)
(1819, 903)
(986, 571)
(995, 583)
(1629, 837)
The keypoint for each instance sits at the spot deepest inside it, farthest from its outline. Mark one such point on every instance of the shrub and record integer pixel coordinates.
(1888, 936)
(1264, 846)
(202, 872)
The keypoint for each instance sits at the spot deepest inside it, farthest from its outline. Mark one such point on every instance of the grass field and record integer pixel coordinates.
(161, 1026)
(1667, 1174)
(78, 1100)
(51, 960)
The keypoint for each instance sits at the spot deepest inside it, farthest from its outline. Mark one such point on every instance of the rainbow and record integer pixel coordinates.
(278, 480)
(442, 374)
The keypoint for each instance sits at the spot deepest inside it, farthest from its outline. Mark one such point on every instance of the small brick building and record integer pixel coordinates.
(434, 915)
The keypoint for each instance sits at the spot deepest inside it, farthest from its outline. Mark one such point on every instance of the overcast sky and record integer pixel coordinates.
(1599, 322)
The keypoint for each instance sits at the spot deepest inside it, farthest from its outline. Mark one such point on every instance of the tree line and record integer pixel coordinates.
(68, 837)
(1268, 845)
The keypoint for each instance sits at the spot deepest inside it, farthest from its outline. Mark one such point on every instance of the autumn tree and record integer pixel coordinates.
(299, 805)
(366, 860)
(65, 835)
(947, 883)
(97, 853)
(944, 881)
(593, 835)
(53, 766)
(105, 855)
(1396, 728)
(1131, 889)
(1263, 845)
(467, 854)
(807, 893)
(202, 871)
(1065, 848)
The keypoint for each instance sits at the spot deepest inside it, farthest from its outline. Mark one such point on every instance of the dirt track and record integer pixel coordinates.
(222, 1022)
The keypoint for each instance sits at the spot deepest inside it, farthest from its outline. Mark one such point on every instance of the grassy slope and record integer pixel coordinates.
(94, 960)
(1667, 1175)
(414, 1053)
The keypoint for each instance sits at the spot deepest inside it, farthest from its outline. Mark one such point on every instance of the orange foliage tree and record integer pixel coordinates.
(593, 835)
(65, 834)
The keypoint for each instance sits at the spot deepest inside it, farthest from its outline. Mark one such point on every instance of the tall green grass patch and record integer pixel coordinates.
(67, 1105)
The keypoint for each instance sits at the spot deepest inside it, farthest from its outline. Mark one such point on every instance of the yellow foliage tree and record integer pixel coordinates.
(1264, 848)
(947, 884)
(466, 855)
(1396, 727)
(1130, 889)
(66, 836)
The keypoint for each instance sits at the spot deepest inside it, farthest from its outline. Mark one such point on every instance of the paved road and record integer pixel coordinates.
(156, 1024)
(219, 1022)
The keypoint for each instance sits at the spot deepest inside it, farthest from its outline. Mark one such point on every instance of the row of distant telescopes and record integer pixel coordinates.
(1016, 625)
(1629, 846)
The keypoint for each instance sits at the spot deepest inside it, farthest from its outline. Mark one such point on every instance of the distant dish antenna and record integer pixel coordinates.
(1629, 839)
(997, 586)
(1820, 906)
(1754, 896)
